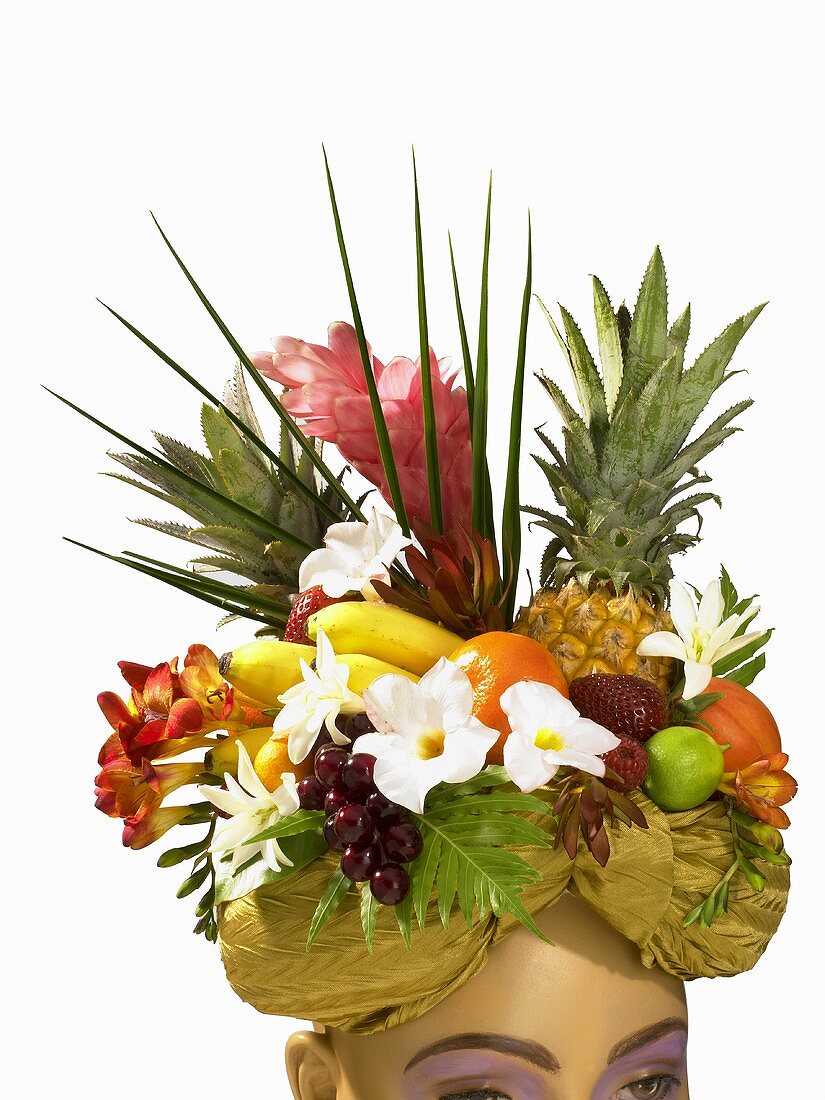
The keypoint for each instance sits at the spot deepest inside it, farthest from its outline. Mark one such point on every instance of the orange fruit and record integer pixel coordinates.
(741, 720)
(273, 758)
(494, 662)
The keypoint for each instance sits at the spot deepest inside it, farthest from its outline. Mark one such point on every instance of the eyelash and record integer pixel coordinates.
(658, 1079)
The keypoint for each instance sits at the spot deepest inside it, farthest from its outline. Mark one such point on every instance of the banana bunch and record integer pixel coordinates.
(385, 633)
(266, 668)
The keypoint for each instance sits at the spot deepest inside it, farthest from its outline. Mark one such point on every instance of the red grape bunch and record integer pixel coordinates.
(373, 834)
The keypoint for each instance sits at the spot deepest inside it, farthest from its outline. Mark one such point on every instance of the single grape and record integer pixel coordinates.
(353, 825)
(311, 793)
(329, 763)
(356, 724)
(334, 801)
(334, 842)
(390, 884)
(359, 864)
(382, 811)
(402, 842)
(356, 777)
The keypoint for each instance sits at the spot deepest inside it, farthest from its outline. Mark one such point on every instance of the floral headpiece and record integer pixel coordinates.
(397, 719)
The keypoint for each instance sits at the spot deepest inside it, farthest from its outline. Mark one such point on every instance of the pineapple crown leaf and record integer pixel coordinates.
(610, 344)
(627, 461)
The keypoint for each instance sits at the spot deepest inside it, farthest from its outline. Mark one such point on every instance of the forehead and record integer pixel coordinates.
(579, 998)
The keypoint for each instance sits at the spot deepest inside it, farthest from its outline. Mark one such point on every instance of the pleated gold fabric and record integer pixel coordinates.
(653, 878)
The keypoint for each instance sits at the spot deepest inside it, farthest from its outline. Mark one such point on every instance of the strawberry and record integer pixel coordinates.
(306, 604)
(626, 705)
(629, 761)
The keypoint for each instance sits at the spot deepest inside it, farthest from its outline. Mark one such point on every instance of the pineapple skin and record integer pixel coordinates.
(597, 631)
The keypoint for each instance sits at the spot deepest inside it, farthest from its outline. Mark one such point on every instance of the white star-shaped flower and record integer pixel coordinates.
(426, 733)
(316, 701)
(353, 556)
(702, 637)
(548, 733)
(252, 808)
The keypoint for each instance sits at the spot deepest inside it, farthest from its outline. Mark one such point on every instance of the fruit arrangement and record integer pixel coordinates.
(396, 714)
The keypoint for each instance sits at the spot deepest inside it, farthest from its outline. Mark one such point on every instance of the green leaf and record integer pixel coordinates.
(302, 850)
(300, 822)
(403, 915)
(492, 776)
(482, 521)
(430, 428)
(745, 675)
(336, 890)
(369, 914)
(469, 381)
(511, 515)
(739, 656)
(469, 851)
(381, 432)
(610, 345)
(424, 878)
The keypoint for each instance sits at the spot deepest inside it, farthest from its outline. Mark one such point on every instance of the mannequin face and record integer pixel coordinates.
(582, 1020)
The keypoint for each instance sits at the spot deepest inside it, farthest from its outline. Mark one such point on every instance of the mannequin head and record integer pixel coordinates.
(581, 1020)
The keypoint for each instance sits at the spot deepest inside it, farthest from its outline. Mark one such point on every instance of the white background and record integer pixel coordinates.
(696, 126)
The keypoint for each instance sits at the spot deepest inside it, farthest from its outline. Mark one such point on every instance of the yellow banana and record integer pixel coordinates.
(224, 756)
(386, 632)
(363, 670)
(266, 668)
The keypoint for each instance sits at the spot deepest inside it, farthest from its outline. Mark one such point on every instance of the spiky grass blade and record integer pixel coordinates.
(285, 470)
(306, 445)
(381, 432)
(511, 516)
(430, 429)
(233, 606)
(257, 521)
(469, 380)
(482, 516)
(217, 588)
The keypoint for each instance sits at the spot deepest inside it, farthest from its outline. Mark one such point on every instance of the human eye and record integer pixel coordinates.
(658, 1087)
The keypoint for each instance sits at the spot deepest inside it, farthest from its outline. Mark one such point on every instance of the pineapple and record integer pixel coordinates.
(626, 481)
(266, 569)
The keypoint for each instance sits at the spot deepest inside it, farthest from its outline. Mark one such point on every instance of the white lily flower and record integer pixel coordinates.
(702, 637)
(548, 732)
(426, 733)
(252, 808)
(316, 702)
(354, 555)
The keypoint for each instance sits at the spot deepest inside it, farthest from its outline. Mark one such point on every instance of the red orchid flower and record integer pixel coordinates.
(133, 791)
(763, 787)
(144, 829)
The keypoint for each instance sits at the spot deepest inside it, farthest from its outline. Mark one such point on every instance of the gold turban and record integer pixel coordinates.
(653, 878)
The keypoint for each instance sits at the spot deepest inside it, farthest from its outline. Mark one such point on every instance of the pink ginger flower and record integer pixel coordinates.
(326, 391)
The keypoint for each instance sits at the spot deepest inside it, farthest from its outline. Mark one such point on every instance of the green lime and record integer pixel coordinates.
(685, 766)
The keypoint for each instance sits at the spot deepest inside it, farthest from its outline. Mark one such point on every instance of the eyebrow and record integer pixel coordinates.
(525, 1049)
(644, 1036)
